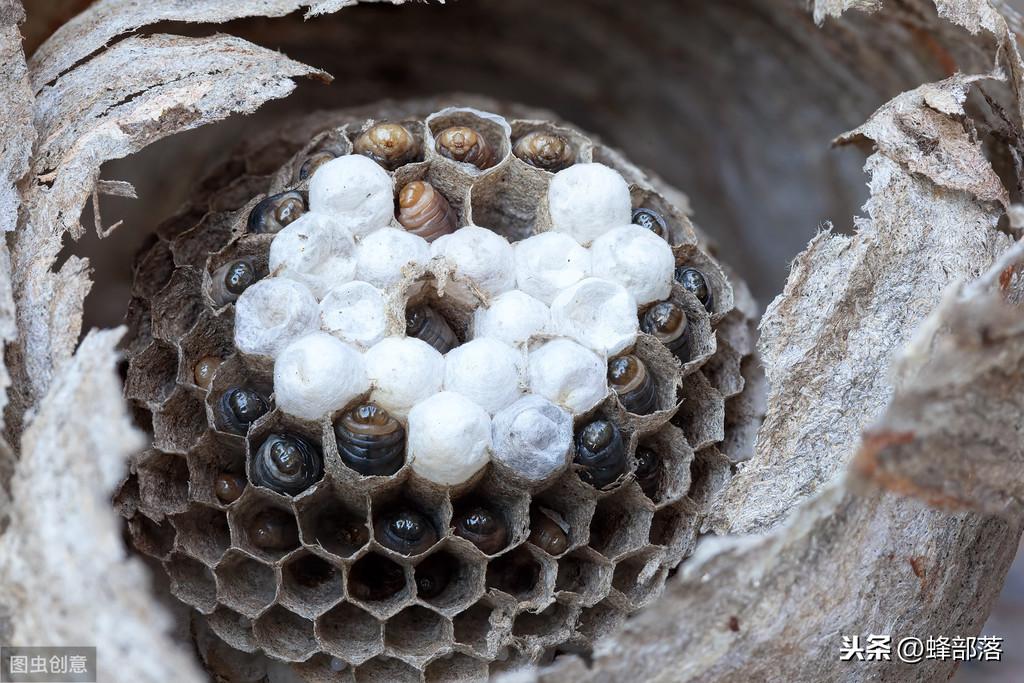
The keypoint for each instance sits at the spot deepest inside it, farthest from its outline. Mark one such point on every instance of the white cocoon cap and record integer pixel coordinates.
(449, 438)
(599, 314)
(354, 312)
(548, 263)
(586, 200)
(316, 250)
(403, 371)
(316, 375)
(532, 437)
(512, 317)
(382, 255)
(354, 190)
(568, 374)
(272, 313)
(480, 255)
(485, 371)
(637, 259)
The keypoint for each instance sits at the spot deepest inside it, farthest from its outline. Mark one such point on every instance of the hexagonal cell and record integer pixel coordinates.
(509, 661)
(640, 577)
(550, 625)
(674, 528)
(709, 472)
(584, 574)
(349, 633)
(508, 506)
(335, 520)
(215, 454)
(430, 504)
(449, 580)
(245, 584)
(702, 415)
(506, 202)
(378, 583)
(262, 526)
(180, 423)
(483, 624)
(253, 247)
(310, 584)
(525, 573)
(233, 628)
(140, 326)
(177, 306)
(192, 582)
(496, 135)
(277, 423)
(417, 632)
(163, 484)
(155, 539)
(621, 522)
(599, 620)
(566, 507)
(386, 669)
(152, 373)
(680, 229)
(323, 668)
(203, 533)
(671, 478)
(193, 246)
(153, 270)
(211, 337)
(285, 635)
(236, 373)
(456, 667)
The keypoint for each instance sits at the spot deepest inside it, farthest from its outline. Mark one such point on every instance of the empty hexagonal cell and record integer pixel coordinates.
(163, 484)
(599, 620)
(702, 414)
(348, 632)
(245, 584)
(233, 628)
(203, 533)
(152, 373)
(335, 520)
(140, 326)
(285, 635)
(263, 526)
(153, 270)
(621, 522)
(379, 583)
(323, 668)
(217, 469)
(449, 580)
(233, 374)
(155, 539)
(640, 577)
(417, 632)
(584, 574)
(456, 667)
(506, 202)
(192, 582)
(310, 584)
(675, 528)
(179, 423)
(408, 521)
(177, 306)
(709, 472)
(550, 625)
(193, 246)
(386, 669)
(524, 573)
(482, 625)
(210, 341)
(510, 660)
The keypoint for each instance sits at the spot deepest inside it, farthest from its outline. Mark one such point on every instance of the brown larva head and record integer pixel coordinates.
(389, 144)
(548, 151)
(465, 144)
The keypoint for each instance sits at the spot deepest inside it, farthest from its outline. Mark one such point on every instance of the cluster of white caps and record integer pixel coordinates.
(556, 306)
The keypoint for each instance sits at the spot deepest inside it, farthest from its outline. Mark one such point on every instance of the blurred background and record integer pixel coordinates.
(732, 103)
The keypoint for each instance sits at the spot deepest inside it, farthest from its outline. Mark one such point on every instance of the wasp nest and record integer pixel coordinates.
(435, 396)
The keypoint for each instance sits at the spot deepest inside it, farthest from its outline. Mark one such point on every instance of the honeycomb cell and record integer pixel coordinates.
(337, 526)
(709, 472)
(621, 522)
(237, 373)
(192, 582)
(599, 620)
(349, 633)
(177, 307)
(690, 255)
(285, 635)
(252, 248)
(526, 573)
(378, 584)
(262, 526)
(202, 533)
(387, 669)
(155, 539)
(193, 246)
(210, 338)
(640, 577)
(506, 201)
(456, 667)
(496, 133)
(179, 423)
(568, 507)
(675, 529)
(583, 575)
(680, 229)
(310, 584)
(449, 580)
(417, 632)
(214, 455)
(551, 625)
(151, 374)
(671, 480)
(508, 507)
(245, 584)
(389, 510)
(233, 628)
(163, 484)
(276, 424)
(140, 326)
(158, 265)
(702, 415)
